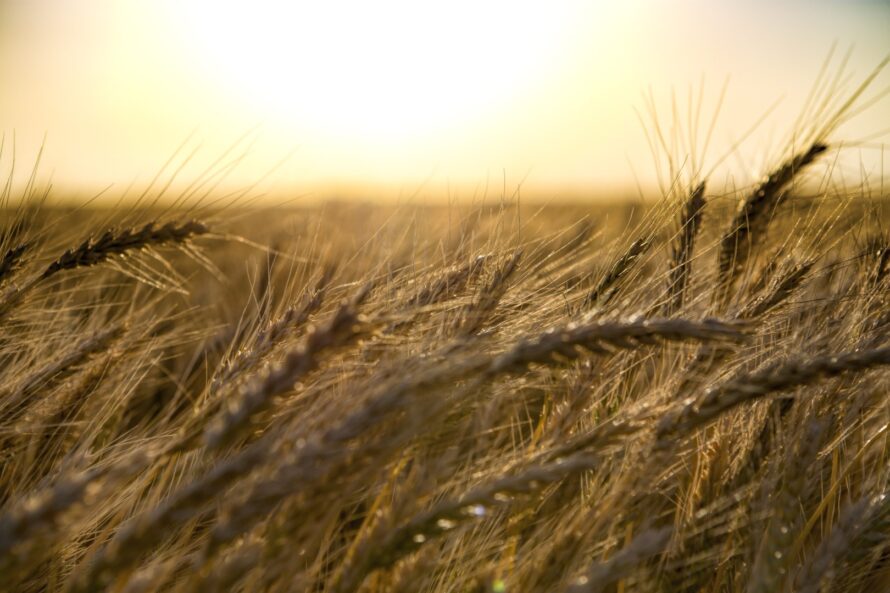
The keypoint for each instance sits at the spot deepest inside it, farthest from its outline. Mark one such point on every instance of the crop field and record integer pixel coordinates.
(364, 398)
(686, 394)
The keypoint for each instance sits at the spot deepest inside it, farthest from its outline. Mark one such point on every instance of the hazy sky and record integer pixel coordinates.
(394, 93)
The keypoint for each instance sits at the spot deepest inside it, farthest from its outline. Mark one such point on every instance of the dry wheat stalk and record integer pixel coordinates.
(144, 532)
(111, 243)
(477, 503)
(771, 561)
(92, 252)
(779, 291)
(771, 379)
(346, 326)
(57, 428)
(683, 247)
(754, 215)
(475, 316)
(603, 291)
(12, 262)
(37, 518)
(819, 572)
(567, 343)
(621, 565)
(555, 465)
(710, 357)
(271, 336)
(16, 401)
(36, 515)
(445, 286)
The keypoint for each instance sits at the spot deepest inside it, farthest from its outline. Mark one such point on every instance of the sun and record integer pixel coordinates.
(374, 71)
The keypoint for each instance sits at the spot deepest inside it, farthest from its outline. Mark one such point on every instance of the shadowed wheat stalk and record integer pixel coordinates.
(95, 251)
(755, 213)
(682, 249)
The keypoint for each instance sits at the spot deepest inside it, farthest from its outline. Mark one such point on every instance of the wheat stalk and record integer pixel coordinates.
(603, 290)
(16, 401)
(754, 215)
(346, 326)
(271, 336)
(567, 343)
(682, 250)
(12, 262)
(111, 243)
(771, 379)
(601, 575)
(475, 315)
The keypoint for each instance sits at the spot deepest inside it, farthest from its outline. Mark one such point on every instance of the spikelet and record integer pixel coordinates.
(564, 344)
(771, 379)
(622, 564)
(754, 215)
(346, 326)
(479, 312)
(604, 290)
(111, 243)
(682, 250)
(12, 262)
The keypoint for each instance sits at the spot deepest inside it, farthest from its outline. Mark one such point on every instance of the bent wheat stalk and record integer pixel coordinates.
(771, 379)
(95, 251)
(346, 326)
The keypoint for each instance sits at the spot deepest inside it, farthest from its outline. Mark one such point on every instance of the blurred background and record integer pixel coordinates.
(408, 100)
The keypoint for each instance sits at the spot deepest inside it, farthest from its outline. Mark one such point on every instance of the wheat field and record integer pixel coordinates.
(683, 395)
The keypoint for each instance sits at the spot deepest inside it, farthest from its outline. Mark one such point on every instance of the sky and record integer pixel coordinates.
(400, 98)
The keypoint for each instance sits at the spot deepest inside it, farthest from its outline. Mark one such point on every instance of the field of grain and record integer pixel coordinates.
(686, 395)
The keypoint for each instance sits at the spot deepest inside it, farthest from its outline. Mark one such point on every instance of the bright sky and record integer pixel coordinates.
(395, 95)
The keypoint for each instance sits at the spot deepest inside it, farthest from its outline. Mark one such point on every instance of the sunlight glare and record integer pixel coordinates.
(385, 70)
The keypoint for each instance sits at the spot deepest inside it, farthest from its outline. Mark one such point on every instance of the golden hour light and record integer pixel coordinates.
(395, 96)
(377, 73)
(572, 296)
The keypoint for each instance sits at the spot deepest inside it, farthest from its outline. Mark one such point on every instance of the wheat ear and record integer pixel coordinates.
(682, 250)
(603, 291)
(12, 262)
(17, 400)
(346, 326)
(567, 343)
(271, 336)
(773, 378)
(111, 243)
(601, 575)
(475, 316)
(754, 214)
